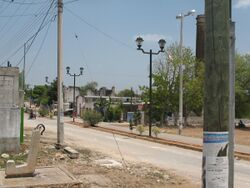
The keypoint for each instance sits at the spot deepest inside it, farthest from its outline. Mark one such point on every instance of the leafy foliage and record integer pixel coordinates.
(42, 94)
(166, 82)
(126, 93)
(91, 86)
(137, 117)
(156, 130)
(242, 86)
(92, 117)
(140, 128)
(43, 112)
(113, 113)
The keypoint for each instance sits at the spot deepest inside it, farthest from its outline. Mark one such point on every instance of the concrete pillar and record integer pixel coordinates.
(9, 109)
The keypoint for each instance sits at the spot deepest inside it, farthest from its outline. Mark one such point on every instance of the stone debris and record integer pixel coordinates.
(73, 154)
(109, 163)
(59, 156)
(5, 156)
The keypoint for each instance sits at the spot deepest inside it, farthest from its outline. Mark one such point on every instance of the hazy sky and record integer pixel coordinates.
(99, 36)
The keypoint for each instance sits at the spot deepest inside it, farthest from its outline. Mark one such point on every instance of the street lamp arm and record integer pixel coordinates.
(143, 51)
(156, 53)
(153, 53)
(70, 74)
(78, 74)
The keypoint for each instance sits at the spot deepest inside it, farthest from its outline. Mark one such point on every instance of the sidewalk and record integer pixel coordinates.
(178, 138)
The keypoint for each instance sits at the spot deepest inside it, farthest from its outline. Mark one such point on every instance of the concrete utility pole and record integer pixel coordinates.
(181, 18)
(181, 80)
(60, 126)
(215, 166)
(232, 105)
(24, 64)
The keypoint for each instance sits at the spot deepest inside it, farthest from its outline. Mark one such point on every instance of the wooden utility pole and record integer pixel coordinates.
(60, 126)
(215, 166)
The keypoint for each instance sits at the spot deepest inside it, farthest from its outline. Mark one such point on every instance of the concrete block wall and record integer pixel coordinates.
(9, 129)
(9, 109)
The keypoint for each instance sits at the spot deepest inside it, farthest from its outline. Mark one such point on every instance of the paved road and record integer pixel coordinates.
(184, 162)
(179, 138)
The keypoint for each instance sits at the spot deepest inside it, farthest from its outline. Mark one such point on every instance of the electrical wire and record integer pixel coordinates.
(39, 50)
(98, 30)
(26, 29)
(17, 15)
(83, 57)
(69, 2)
(21, 3)
(14, 23)
(14, 53)
(4, 8)
(123, 160)
(39, 29)
(8, 21)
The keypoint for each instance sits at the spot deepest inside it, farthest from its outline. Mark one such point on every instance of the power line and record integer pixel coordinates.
(25, 30)
(4, 8)
(68, 2)
(13, 24)
(39, 29)
(22, 3)
(34, 35)
(83, 56)
(99, 30)
(39, 50)
(13, 54)
(20, 15)
(7, 21)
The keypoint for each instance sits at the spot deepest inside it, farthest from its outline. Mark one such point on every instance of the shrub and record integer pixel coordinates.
(51, 114)
(156, 130)
(137, 117)
(43, 112)
(140, 129)
(92, 117)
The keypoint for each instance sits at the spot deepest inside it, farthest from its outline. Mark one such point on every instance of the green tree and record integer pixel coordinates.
(40, 94)
(126, 93)
(52, 92)
(166, 84)
(92, 117)
(101, 106)
(91, 86)
(242, 86)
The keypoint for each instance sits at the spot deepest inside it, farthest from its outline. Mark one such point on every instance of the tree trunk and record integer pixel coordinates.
(185, 121)
(176, 119)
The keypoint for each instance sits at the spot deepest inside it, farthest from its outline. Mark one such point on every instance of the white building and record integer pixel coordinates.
(68, 93)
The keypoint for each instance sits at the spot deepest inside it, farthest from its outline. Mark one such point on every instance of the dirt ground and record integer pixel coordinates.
(242, 136)
(93, 175)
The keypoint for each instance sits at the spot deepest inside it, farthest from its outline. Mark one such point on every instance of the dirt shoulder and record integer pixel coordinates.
(91, 168)
(241, 135)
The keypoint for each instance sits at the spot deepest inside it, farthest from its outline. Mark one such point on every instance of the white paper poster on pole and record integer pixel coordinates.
(215, 159)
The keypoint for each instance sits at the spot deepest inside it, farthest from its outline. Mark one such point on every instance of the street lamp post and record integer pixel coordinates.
(47, 80)
(161, 43)
(74, 75)
(181, 18)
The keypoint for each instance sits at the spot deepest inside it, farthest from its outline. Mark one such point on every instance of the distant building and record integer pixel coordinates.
(68, 93)
(88, 101)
